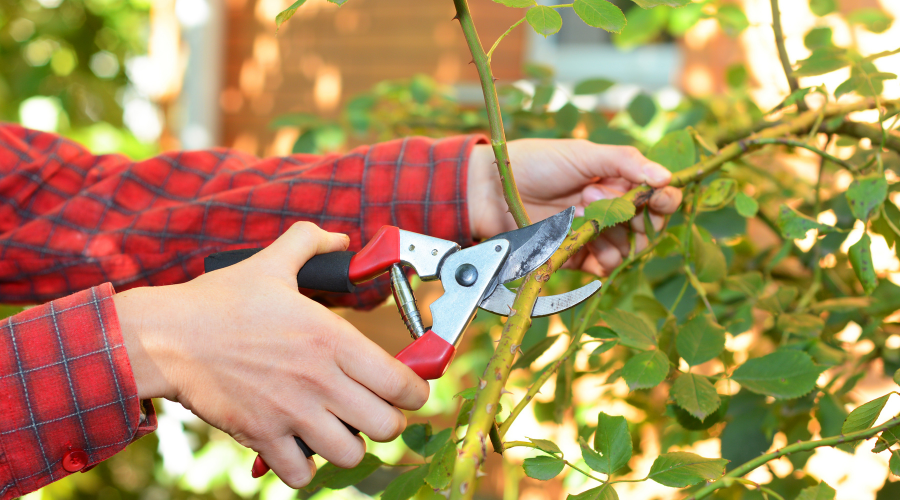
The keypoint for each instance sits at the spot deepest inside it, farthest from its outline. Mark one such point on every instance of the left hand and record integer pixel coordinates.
(554, 174)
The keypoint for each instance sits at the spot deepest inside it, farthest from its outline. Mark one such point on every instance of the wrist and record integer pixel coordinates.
(141, 313)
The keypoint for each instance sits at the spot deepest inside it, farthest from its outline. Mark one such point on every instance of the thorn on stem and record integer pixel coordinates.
(482, 384)
(456, 17)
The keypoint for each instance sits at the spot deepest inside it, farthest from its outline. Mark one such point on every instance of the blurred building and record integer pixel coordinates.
(239, 74)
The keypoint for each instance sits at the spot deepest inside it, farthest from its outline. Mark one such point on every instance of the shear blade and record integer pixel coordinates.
(500, 301)
(531, 246)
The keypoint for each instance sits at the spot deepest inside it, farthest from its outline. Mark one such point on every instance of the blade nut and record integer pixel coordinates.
(466, 275)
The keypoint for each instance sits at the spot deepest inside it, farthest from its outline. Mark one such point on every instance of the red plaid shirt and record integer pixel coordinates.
(70, 220)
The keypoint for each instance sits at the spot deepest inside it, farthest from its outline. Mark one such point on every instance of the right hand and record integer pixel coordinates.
(246, 352)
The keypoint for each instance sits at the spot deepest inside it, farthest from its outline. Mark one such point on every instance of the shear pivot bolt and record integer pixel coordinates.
(466, 275)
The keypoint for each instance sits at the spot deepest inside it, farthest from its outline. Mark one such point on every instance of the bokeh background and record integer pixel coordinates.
(144, 76)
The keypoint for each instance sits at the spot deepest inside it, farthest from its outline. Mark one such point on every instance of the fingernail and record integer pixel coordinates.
(592, 194)
(259, 467)
(656, 173)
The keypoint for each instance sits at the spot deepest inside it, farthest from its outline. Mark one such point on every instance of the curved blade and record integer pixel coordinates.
(501, 300)
(531, 246)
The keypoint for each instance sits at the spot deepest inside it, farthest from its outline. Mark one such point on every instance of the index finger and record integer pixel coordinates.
(626, 162)
(396, 383)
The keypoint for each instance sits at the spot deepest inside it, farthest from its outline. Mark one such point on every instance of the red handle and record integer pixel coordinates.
(379, 254)
(428, 356)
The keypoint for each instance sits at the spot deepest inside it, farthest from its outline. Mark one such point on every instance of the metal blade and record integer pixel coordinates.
(531, 246)
(501, 300)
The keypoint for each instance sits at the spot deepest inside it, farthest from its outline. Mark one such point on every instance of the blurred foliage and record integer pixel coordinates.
(74, 52)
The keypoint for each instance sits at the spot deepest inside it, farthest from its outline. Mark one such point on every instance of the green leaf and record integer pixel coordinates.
(745, 205)
(467, 394)
(405, 485)
(794, 225)
(865, 194)
(604, 492)
(818, 38)
(897, 377)
(696, 394)
(649, 4)
(681, 20)
(287, 13)
(736, 76)
(795, 97)
(545, 445)
(600, 14)
(718, 192)
(820, 491)
(544, 20)
(440, 470)
(864, 416)
(675, 151)
(608, 213)
(332, 476)
(592, 86)
(646, 370)
(416, 436)
(700, 340)
(642, 109)
(732, 19)
(800, 325)
(860, 254)
(567, 118)
(519, 4)
(632, 330)
(822, 7)
(534, 352)
(691, 422)
(889, 437)
(874, 20)
(437, 441)
(680, 469)
(306, 143)
(613, 442)
(894, 463)
(785, 374)
(709, 260)
(543, 467)
(888, 225)
(601, 332)
(822, 61)
(465, 411)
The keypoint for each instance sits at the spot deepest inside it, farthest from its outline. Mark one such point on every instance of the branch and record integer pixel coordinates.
(783, 55)
(474, 448)
(492, 106)
(787, 450)
(800, 144)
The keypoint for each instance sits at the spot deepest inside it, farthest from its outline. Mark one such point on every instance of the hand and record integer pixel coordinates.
(554, 174)
(246, 352)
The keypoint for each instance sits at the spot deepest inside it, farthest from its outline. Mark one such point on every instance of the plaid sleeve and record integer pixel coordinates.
(70, 220)
(69, 396)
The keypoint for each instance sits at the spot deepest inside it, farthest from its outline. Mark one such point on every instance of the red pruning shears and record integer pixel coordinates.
(471, 278)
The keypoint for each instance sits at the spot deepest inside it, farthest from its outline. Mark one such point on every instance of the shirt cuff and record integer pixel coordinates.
(71, 400)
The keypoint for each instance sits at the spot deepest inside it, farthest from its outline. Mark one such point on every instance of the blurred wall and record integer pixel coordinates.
(327, 53)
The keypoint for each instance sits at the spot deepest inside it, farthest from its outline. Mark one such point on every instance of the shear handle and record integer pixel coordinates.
(335, 271)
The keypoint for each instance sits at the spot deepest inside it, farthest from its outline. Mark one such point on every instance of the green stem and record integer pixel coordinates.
(501, 37)
(787, 450)
(588, 474)
(817, 250)
(495, 121)
(806, 146)
(783, 55)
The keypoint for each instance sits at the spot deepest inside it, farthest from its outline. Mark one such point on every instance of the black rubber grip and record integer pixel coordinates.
(307, 451)
(328, 272)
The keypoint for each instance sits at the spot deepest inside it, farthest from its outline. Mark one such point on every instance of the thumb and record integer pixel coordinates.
(300, 242)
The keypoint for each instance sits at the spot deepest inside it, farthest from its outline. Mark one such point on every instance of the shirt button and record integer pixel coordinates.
(74, 460)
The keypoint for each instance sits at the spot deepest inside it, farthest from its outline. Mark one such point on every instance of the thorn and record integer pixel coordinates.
(504, 391)
(513, 348)
(482, 384)
(472, 61)
(463, 488)
(494, 80)
(480, 473)
(456, 17)
(489, 407)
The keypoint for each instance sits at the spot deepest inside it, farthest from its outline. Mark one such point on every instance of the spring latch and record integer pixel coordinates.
(406, 302)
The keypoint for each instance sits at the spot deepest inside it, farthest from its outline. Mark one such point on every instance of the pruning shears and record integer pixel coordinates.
(471, 278)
